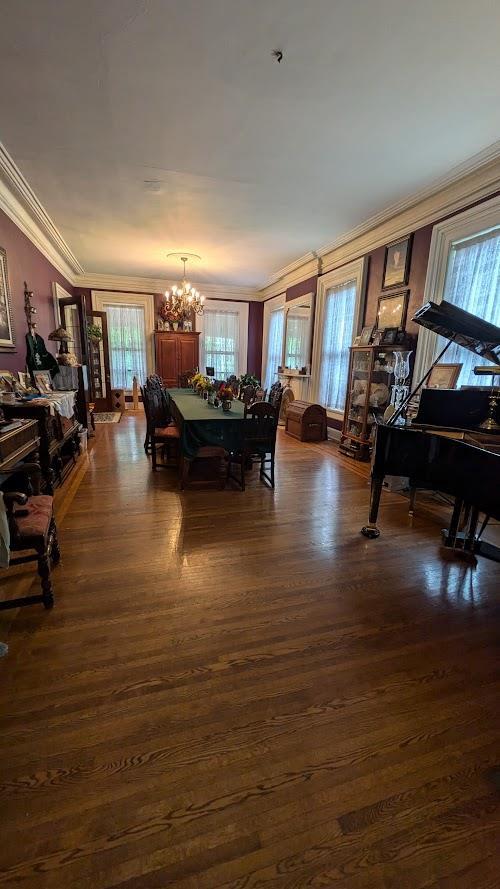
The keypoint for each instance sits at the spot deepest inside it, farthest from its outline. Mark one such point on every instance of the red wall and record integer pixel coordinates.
(26, 263)
(307, 286)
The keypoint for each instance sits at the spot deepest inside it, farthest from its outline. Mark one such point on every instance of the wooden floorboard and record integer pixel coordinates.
(239, 690)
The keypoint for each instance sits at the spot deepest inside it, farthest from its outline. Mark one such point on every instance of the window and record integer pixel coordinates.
(127, 344)
(221, 342)
(473, 283)
(337, 337)
(297, 329)
(464, 269)
(274, 347)
(338, 316)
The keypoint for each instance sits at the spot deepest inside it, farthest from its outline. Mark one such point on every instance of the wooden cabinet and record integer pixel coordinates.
(177, 353)
(369, 389)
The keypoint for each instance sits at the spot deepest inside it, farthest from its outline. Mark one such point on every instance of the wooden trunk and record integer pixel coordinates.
(177, 353)
(306, 422)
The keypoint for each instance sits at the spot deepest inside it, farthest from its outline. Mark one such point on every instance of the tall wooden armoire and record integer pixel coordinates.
(177, 353)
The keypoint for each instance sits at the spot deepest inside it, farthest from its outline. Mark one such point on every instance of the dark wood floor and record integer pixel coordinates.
(239, 690)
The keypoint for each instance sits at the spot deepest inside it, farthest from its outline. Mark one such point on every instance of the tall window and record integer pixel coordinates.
(274, 346)
(127, 344)
(473, 283)
(338, 327)
(221, 342)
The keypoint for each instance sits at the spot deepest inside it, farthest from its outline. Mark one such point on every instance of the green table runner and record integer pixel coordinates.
(202, 424)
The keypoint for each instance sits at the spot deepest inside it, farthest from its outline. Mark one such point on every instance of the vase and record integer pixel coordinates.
(205, 395)
(216, 402)
(226, 405)
(175, 325)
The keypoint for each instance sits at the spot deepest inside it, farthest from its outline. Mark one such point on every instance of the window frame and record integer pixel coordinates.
(270, 306)
(241, 309)
(477, 220)
(353, 271)
(146, 300)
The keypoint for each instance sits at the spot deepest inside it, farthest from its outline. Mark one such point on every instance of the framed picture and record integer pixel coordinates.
(6, 334)
(392, 310)
(366, 335)
(389, 336)
(43, 381)
(444, 376)
(397, 263)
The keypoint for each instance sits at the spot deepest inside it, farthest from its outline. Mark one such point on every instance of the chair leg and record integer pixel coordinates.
(153, 452)
(55, 552)
(242, 464)
(272, 469)
(44, 572)
(147, 443)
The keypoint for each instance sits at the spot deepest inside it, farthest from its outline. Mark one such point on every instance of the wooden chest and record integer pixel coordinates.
(305, 421)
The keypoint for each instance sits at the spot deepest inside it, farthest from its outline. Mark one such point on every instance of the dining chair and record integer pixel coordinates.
(33, 531)
(161, 429)
(258, 440)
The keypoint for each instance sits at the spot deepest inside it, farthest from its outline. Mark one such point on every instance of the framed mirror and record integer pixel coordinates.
(298, 333)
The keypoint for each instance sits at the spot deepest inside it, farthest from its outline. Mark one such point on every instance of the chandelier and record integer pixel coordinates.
(183, 297)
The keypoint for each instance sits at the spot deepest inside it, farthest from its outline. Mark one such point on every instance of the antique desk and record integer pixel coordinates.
(59, 443)
(17, 444)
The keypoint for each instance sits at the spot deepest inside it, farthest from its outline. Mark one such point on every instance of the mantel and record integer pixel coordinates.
(293, 373)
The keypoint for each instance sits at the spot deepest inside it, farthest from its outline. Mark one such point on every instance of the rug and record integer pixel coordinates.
(108, 417)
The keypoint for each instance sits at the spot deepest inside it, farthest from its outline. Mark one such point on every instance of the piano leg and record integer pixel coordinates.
(370, 530)
(450, 534)
(413, 497)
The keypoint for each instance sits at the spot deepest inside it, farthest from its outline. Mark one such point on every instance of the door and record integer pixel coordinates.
(188, 353)
(99, 375)
(167, 359)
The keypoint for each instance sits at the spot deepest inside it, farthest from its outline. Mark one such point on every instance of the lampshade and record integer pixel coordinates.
(60, 334)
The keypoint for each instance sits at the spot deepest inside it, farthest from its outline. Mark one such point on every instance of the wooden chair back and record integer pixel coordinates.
(260, 426)
(275, 395)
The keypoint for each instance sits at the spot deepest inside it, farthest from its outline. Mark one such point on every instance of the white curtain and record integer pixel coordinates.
(297, 326)
(127, 345)
(337, 337)
(274, 347)
(473, 284)
(221, 342)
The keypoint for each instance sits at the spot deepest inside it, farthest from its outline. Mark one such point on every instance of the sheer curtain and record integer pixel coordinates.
(473, 284)
(127, 344)
(274, 347)
(337, 337)
(221, 342)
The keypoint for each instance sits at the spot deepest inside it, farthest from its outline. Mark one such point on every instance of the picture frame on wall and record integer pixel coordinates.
(397, 263)
(444, 376)
(392, 309)
(7, 341)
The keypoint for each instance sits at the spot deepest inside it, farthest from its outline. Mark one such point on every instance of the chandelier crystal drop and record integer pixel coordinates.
(183, 298)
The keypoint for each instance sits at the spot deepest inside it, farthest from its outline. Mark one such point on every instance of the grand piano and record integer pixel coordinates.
(453, 443)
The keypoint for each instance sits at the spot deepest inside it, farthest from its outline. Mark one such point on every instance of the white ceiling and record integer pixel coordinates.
(254, 162)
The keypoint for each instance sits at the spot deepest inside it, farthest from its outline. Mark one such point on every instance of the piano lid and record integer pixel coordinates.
(461, 327)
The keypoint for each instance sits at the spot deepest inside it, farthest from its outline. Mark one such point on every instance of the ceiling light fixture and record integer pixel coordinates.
(184, 298)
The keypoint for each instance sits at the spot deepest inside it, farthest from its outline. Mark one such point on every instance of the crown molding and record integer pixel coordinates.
(20, 203)
(130, 284)
(474, 179)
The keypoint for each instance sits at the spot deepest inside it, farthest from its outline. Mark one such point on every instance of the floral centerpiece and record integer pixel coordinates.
(167, 312)
(226, 395)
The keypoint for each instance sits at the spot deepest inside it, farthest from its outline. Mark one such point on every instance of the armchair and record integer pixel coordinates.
(33, 532)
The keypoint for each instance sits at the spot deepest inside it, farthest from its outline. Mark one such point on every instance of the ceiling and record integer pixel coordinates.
(150, 126)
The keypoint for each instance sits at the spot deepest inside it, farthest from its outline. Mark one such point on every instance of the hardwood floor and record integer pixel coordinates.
(239, 690)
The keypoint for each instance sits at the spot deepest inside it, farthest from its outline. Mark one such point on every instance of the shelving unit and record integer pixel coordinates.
(369, 389)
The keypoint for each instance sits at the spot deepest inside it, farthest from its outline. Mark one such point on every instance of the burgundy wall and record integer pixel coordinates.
(307, 286)
(26, 263)
(255, 327)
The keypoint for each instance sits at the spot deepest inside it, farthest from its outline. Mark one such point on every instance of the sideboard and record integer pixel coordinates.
(177, 353)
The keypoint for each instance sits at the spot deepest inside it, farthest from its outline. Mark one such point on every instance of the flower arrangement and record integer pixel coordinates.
(225, 392)
(168, 312)
(94, 332)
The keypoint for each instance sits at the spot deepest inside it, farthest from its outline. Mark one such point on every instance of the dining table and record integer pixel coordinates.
(202, 424)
